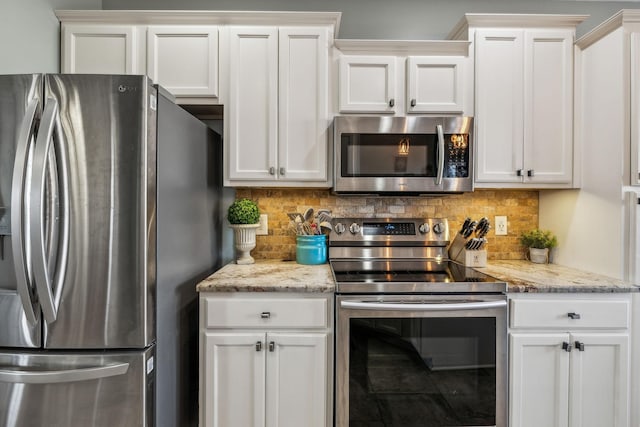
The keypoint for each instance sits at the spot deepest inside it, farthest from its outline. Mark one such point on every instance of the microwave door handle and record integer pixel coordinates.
(480, 305)
(440, 155)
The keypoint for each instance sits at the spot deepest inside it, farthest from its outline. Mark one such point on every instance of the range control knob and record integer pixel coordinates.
(438, 228)
(354, 228)
(339, 228)
(424, 228)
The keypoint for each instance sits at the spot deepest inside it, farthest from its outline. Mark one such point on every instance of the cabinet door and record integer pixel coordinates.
(499, 105)
(253, 103)
(599, 380)
(184, 59)
(99, 49)
(303, 106)
(367, 84)
(435, 84)
(233, 381)
(548, 106)
(539, 380)
(635, 108)
(297, 380)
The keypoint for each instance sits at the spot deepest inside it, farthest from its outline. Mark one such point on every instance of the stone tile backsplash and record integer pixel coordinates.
(520, 207)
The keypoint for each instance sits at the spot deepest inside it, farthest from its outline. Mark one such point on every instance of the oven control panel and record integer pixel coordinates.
(418, 231)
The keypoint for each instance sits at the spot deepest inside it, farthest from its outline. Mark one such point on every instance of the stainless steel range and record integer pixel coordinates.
(420, 340)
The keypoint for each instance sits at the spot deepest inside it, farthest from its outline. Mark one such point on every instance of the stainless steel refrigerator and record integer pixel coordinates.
(109, 215)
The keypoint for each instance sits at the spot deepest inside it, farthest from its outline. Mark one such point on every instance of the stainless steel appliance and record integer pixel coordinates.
(420, 340)
(405, 155)
(108, 218)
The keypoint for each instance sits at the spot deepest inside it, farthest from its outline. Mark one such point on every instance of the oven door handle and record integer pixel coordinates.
(481, 305)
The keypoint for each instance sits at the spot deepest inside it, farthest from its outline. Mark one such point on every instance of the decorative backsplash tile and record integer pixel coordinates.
(520, 207)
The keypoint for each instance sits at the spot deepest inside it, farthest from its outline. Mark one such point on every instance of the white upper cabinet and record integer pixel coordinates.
(524, 99)
(608, 102)
(404, 77)
(367, 84)
(100, 49)
(435, 84)
(277, 115)
(184, 59)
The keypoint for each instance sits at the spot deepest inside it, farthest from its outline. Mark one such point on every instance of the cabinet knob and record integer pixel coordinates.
(566, 347)
(413, 102)
(265, 314)
(259, 346)
(579, 345)
(282, 171)
(272, 170)
(392, 102)
(272, 346)
(519, 172)
(574, 316)
(530, 172)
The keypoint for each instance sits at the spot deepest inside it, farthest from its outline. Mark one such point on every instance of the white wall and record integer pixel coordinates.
(30, 34)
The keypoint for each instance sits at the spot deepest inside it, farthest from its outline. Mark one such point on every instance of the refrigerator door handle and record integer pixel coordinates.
(62, 376)
(19, 208)
(43, 278)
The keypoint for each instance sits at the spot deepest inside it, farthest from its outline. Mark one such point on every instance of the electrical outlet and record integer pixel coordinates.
(263, 230)
(501, 225)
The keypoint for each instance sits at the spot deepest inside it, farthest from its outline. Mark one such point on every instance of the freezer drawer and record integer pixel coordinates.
(81, 389)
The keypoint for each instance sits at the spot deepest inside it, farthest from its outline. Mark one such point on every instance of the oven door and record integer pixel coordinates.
(421, 360)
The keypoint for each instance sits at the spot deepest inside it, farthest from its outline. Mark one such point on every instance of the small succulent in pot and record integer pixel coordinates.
(243, 211)
(538, 239)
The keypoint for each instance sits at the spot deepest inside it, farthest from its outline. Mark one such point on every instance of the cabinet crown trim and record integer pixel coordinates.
(201, 17)
(399, 47)
(625, 16)
(523, 20)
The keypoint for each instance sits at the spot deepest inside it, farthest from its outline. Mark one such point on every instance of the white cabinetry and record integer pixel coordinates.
(608, 102)
(265, 360)
(398, 77)
(184, 59)
(569, 360)
(100, 49)
(277, 116)
(524, 99)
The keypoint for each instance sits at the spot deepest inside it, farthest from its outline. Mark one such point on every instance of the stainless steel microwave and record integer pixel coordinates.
(403, 155)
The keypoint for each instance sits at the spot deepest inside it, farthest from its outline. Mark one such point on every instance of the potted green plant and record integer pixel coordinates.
(244, 218)
(539, 242)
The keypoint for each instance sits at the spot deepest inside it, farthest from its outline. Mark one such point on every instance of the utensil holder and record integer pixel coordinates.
(312, 249)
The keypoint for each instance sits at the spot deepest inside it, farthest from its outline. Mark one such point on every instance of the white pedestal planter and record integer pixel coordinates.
(245, 240)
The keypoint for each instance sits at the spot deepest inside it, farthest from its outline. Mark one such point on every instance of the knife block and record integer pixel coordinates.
(457, 252)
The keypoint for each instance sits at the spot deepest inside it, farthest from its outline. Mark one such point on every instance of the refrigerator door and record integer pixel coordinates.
(20, 111)
(87, 389)
(104, 298)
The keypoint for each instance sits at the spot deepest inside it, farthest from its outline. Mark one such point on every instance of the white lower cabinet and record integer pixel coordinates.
(573, 375)
(265, 361)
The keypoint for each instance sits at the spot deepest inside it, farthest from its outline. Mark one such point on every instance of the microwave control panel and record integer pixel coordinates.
(457, 156)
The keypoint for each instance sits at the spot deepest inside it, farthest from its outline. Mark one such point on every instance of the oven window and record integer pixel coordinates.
(389, 155)
(422, 372)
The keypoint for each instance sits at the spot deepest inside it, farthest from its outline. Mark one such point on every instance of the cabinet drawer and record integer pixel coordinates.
(269, 313)
(556, 314)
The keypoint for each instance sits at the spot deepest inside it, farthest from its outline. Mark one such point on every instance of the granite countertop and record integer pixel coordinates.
(270, 276)
(521, 276)
(525, 276)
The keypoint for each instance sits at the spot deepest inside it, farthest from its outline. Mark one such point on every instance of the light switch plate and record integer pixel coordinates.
(501, 225)
(263, 230)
